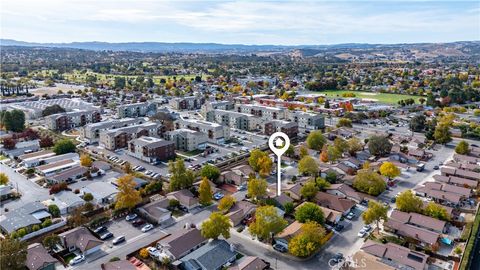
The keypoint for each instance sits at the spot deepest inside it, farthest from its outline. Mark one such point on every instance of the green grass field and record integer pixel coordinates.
(380, 97)
(107, 78)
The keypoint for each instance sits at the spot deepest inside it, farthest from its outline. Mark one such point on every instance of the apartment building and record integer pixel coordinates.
(306, 120)
(263, 112)
(136, 109)
(216, 133)
(289, 128)
(118, 138)
(233, 119)
(187, 103)
(187, 139)
(91, 132)
(151, 149)
(217, 105)
(69, 120)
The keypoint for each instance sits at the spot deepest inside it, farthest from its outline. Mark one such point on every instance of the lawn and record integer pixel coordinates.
(381, 97)
(108, 78)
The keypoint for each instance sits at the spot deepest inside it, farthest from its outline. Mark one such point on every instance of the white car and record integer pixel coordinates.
(147, 228)
(362, 233)
(77, 259)
(153, 252)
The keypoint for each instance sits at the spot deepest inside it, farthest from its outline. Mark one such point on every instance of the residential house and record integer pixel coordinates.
(454, 180)
(466, 159)
(398, 256)
(237, 175)
(34, 159)
(367, 261)
(27, 216)
(157, 211)
(184, 197)
(424, 235)
(460, 173)
(289, 232)
(119, 265)
(215, 255)
(6, 192)
(344, 191)
(181, 242)
(68, 175)
(66, 201)
(438, 193)
(240, 211)
(420, 220)
(251, 263)
(21, 148)
(342, 205)
(103, 192)
(81, 239)
(332, 217)
(38, 258)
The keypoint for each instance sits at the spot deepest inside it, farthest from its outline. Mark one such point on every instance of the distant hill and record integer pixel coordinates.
(338, 51)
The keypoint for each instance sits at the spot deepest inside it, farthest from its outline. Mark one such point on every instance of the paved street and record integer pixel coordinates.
(30, 191)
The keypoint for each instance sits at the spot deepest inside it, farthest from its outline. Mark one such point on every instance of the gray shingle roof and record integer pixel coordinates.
(210, 256)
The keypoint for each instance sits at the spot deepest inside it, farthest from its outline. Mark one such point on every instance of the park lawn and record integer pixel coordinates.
(380, 97)
(109, 78)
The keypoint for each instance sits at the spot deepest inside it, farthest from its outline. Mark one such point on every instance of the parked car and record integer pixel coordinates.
(436, 167)
(138, 222)
(106, 236)
(350, 216)
(217, 196)
(280, 248)
(367, 227)
(131, 217)
(118, 240)
(362, 233)
(100, 229)
(339, 227)
(78, 259)
(183, 208)
(153, 252)
(147, 228)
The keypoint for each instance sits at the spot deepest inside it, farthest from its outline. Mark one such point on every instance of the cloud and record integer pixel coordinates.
(278, 22)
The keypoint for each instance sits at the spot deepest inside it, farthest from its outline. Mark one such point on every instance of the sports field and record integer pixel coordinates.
(380, 97)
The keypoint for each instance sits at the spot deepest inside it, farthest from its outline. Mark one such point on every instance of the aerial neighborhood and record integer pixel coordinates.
(138, 160)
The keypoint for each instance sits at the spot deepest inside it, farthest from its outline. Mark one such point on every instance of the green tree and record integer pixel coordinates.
(267, 222)
(309, 212)
(354, 145)
(127, 197)
(316, 140)
(307, 241)
(3, 179)
(408, 202)
(308, 165)
(210, 172)
(341, 145)
(51, 241)
(379, 145)
(321, 183)
(333, 153)
(290, 151)
(255, 155)
(205, 192)
(181, 177)
(226, 203)
(437, 211)
(13, 254)
(462, 148)
(369, 182)
(289, 208)
(54, 210)
(442, 133)
(331, 177)
(309, 190)
(13, 120)
(303, 152)
(257, 188)
(388, 169)
(344, 122)
(375, 213)
(49, 110)
(64, 146)
(215, 226)
(417, 123)
(88, 197)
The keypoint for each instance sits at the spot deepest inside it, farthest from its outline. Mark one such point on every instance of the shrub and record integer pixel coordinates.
(46, 223)
(143, 253)
(36, 227)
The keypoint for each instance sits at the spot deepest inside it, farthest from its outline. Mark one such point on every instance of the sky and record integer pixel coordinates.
(287, 22)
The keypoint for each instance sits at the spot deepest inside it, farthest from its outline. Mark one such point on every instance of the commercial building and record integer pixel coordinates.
(187, 139)
(306, 120)
(91, 132)
(187, 103)
(151, 149)
(216, 133)
(68, 120)
(118, 138)
(34, 109)
(136, 109)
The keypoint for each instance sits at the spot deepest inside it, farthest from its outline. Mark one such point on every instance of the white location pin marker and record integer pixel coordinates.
(279, 143)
